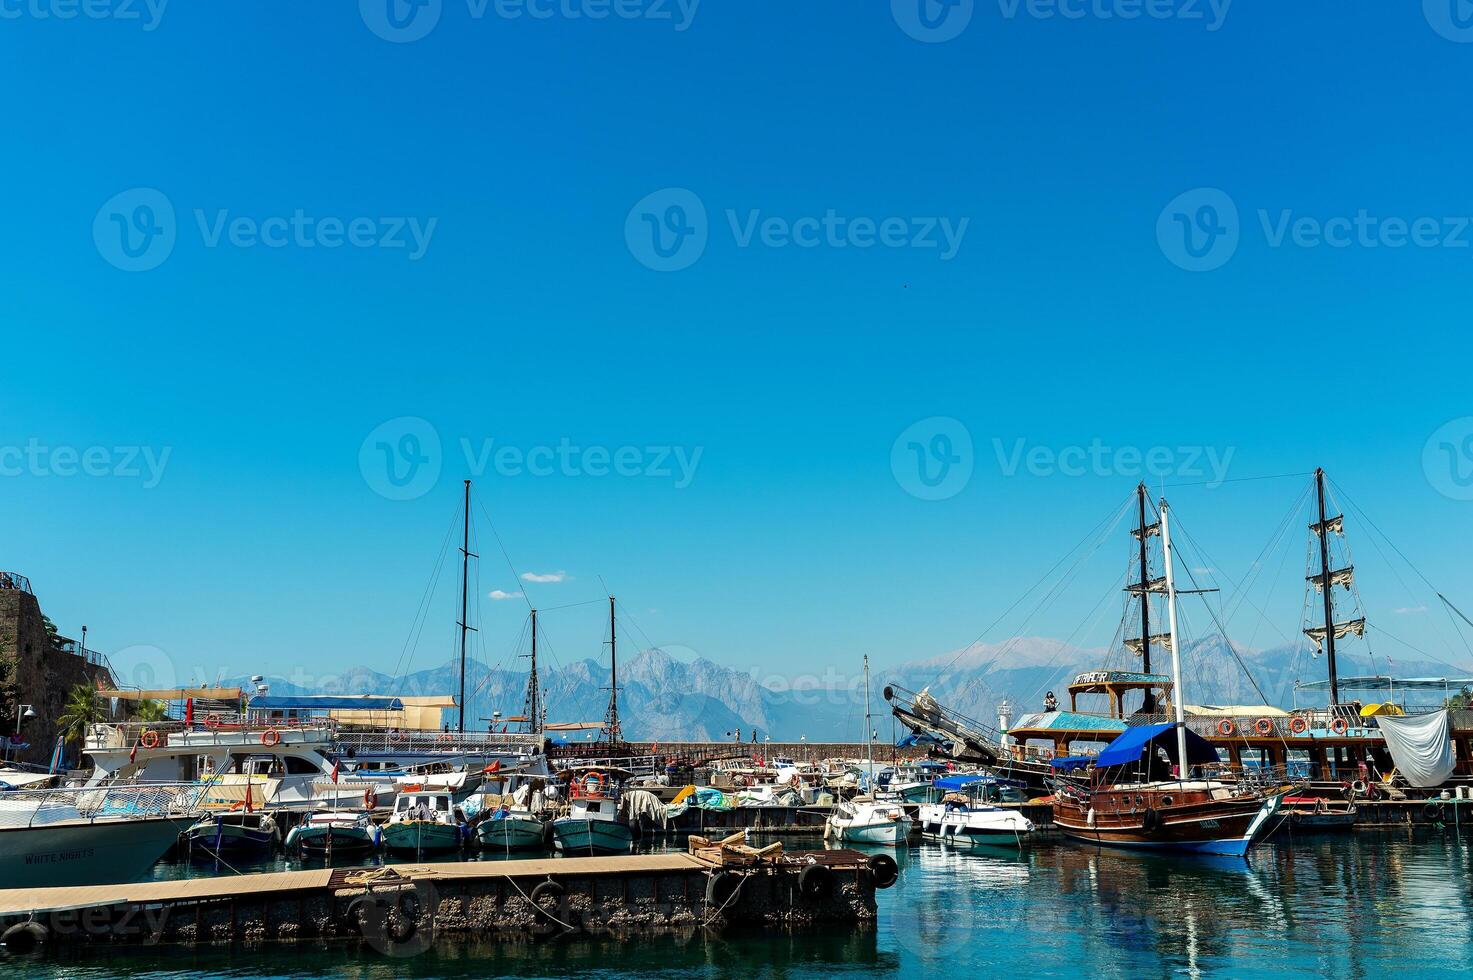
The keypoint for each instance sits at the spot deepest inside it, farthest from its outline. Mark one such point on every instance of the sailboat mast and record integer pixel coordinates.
(611, 719)
(533, 695)
(1179, 697)
(869, 730)
(1149, 705)
(465, 567)
(1324, 532)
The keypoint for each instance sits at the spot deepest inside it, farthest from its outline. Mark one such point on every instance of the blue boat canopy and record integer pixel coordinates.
(1069, 763)
(1135, 742)
(950, 783)
(320, 703)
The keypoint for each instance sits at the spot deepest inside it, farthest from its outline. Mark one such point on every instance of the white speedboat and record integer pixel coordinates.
(866, 821)
(967, 816)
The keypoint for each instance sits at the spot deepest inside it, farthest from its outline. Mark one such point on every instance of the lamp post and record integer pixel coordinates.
(22, 711)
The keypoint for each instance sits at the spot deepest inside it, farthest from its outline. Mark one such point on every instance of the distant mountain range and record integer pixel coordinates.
(662, 698)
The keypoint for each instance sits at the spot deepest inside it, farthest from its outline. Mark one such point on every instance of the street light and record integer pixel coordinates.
(22, 711)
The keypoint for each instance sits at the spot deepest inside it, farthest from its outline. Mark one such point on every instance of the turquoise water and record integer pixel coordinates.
(1354, 905)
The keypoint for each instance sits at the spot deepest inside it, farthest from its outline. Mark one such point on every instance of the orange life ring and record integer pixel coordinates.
(370, 798)
(1298, 726)
(270, 738)
(447, 737)
(1226, 727)
(212, 720)
(1263, 727)
(1339, 726)
(596, 790)
(149, 739)
(294, 723)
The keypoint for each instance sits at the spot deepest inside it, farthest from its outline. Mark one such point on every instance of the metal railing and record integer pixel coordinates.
(94, 658)
(412, 740)
(15, 581)
(42, 807)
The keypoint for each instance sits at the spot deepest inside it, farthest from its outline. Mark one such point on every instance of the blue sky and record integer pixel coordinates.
(1069, 157)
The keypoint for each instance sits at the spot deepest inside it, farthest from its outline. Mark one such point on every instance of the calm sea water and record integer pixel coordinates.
(1356, 905)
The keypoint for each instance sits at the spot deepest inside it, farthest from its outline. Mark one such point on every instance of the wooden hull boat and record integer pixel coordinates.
(1201, 817)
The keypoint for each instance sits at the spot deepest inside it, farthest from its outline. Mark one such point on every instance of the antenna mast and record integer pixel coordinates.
(534, 722)
(1179, 697)
(464, 624)
(1322, 529)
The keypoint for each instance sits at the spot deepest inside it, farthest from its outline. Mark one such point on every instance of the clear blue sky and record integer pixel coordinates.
(1066, 314)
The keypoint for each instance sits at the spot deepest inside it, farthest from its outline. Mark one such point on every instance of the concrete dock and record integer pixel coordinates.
(395, 908)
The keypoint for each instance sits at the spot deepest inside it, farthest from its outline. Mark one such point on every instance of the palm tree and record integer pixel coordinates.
(151, 711)
(82, 710)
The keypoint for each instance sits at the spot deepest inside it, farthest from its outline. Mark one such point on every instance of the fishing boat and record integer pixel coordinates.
(228, 834)
(596, 823)
(88, 836)
(864, 819)
(968, 814)
(425, 823)
(335, 832)
(1141, 790)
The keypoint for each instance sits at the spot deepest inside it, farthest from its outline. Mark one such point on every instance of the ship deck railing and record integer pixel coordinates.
(40, 807)
(210, 733)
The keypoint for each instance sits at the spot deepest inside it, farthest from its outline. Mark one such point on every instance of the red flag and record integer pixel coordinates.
(133, 756)
(334, 771)
(250, 792)
(189, 711)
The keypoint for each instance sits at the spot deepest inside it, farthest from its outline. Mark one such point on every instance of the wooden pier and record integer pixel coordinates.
(399, 908)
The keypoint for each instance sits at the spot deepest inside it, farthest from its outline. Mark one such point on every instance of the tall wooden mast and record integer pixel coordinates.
(1143, 588)
(465, 627)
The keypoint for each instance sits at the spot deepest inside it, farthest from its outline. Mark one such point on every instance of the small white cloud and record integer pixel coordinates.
(499, 595)
(558, 576)
(1410, 610)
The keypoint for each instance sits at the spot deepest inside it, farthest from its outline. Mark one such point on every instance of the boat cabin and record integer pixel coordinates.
(437, 807)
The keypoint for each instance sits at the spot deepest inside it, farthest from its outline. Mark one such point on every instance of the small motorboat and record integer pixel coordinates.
(863, 820)
(425, 823)
(333, 832)
(1319, 813)
(232, 833)
(967, 816)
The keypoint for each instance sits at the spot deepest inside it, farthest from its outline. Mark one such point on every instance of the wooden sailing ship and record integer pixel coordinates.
(1153, 786)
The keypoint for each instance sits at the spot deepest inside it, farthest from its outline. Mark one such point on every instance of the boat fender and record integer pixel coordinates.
(1359, 787)
(1263, 727)
(1298, 726)
(721, 887)
(1226, 727)
(884, 870)
(1339, 726)
(409, 906)
(23, 937)
(149, 739)
(1433, 812)
(815, 881)
(1150, 820)
(544, 890)
(1089, 819)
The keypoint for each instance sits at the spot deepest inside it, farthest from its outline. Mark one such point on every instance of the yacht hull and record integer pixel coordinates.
(1226, 827)
(423, 837)
(511, 834)
(100, 852)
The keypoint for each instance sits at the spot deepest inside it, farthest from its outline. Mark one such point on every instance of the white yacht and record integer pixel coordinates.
(968, 815)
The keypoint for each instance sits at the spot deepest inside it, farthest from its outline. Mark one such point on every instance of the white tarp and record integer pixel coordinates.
(1421, 746)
